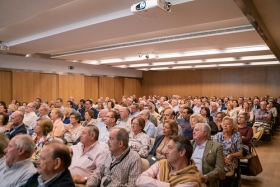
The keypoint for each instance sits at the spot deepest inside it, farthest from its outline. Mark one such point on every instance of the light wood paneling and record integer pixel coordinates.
(71, 85)
(132, 87)
(106, 87)
(247, 81)
(26, 86)
(6, 86)
(119, 89)
(91, 88)
(49, 86)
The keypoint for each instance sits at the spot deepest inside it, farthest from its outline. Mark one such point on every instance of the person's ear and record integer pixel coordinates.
(183, 153)
(21, 151)
(57, 163)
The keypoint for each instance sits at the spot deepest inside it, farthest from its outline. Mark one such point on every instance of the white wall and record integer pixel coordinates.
(60, 66)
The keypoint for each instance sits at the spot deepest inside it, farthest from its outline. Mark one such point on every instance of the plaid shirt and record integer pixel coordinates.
(123, 173)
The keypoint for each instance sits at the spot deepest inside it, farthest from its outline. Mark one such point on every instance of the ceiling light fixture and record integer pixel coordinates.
(257, 57)
(205, 66)
(203, 52)
(265, 63)
(109, 61)
(220, 59)
(236, 64)
(181, 67)
(138, 65)
(246, 49)
(162, 63)
(162, 68)
(93, 62)
(190, 62)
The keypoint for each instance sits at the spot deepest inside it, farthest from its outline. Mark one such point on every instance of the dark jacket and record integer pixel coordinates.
(20, 130)
(156, 144)
(63, 180)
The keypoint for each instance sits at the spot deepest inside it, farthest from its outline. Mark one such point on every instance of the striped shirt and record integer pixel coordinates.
(122, 171)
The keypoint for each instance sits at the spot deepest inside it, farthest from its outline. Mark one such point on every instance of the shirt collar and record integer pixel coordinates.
(203, 145)
(45, 184)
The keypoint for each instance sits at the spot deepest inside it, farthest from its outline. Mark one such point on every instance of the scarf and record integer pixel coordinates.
(187, 174)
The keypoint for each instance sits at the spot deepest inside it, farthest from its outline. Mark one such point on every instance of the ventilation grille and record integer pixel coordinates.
(160, 40)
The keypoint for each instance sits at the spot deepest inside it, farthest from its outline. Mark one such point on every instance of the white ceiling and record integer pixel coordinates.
(59, 26)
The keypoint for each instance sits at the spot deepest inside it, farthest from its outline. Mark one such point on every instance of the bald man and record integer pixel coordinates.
(15, 126)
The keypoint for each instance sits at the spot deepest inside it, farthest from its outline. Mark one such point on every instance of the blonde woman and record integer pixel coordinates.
(58, 126)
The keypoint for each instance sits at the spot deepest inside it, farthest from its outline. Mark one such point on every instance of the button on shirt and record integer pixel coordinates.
(198, 155)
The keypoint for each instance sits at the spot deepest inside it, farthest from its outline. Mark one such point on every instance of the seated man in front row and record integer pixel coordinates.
(177, 170)
(121, 166)
(52, 167)
(208, 155)
(88, 154)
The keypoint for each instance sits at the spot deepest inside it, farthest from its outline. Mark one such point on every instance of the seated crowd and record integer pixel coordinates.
(187, 142)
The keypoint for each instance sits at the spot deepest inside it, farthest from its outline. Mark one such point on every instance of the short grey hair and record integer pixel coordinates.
(147, 112)
(122, 135)
(25, 141)
(45, 107)
(4, 141)
(205, 128)
(217, 105)
(93, 129)
(33, 106)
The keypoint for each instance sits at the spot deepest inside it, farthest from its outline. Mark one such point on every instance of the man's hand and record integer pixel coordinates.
(203, 179)
(9, 126)
(78, 179)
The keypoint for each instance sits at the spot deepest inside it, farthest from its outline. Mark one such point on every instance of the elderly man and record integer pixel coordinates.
(121, 166)
(149, 126)
(15, 126)
(125, 120)
(74, 105)
(197, 107)
(100, 121)
(185, 122)
(134, 110)
(174, 105)
(152, 118)
(214, 110)
(30, 115)
(87, 155)
(110, 122)
(168, 113)
(176, 170)
(208, 155)
(59, 104)
(18, 168)
(4, 140)
(53, 167)
(262, 120)
(44, 111)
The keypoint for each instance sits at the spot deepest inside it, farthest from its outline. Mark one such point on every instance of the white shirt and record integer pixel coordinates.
(29, 118)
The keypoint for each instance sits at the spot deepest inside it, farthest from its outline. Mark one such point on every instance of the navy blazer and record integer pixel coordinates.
(158, 140)
(20, 130)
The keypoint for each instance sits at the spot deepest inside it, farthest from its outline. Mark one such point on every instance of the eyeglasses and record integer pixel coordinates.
(136, 124)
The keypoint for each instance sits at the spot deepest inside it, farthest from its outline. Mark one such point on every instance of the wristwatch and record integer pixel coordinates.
(85, 179)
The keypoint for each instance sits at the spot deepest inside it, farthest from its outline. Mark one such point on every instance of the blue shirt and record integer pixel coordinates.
(150, 129)
(197, 156)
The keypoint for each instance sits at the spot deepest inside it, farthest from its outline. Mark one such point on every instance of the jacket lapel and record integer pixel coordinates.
(207, 149)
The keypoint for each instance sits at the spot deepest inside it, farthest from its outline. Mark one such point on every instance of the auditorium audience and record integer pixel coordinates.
(73, 131)
(88, 106)
(185, 122)
(11, 109)
(205, 112)
(3, 108)
(208, 155)
(121, 166)
(246, 109)
(59, 104)
(41, 136)
(87, 155)
(217, 125)
(194, 119)
(15, 126)
(30, 115)
(19, 167)
(124, 121)
(213, 110)
(134, 110)
(58, 126)
(139, 141)
(4, 119)
(231, 112)
(245, 131)
(100, 121)
(178, 169)
(89, 118)
(197, 106)
(170, 128)
(52, 167)
(66, 115)
(231, 141)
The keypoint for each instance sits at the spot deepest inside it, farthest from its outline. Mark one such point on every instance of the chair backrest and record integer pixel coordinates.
(145, 164)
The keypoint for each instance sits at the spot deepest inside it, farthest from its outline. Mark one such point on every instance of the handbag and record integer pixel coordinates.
(254, 164)
(152, 159)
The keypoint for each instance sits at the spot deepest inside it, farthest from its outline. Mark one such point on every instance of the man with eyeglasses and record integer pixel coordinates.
(110, 122)
(15, 126)
(30, 115)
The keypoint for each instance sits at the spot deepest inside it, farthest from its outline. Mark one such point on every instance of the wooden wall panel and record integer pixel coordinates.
(6, 86)
(247, 81)
(106, 87)
(91, 88)
(119, 88)
(49, 86)
(132, 87)
(26, 86)
(71, 85)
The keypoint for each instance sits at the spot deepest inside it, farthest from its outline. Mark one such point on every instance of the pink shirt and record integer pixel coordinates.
(85, 163)
(150, 178)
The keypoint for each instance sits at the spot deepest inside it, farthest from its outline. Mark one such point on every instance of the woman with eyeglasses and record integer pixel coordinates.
(139, 141)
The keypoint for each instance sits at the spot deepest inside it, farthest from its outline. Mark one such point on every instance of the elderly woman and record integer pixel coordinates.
(4, 140)
(66, 115)
(99, 106)
(245, 131)
(230, 111)
(139, 141)
(41, 136)
(217, 125)
(231, 141)
(89, 114)
(74, 130)
(58, 126)
(205, 112)
(247, 109)
(4, 119)
(194, 119)
(170, 128)
(110, 105)
(11, 109)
